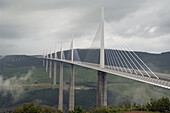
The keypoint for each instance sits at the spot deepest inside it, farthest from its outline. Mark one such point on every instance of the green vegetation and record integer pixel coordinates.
(78, 109)
(119, 89)
(12, 71)
(161, 105)
(39, 76)
(157, 62)
(31, 108)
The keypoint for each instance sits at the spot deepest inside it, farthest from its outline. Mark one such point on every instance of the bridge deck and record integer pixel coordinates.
(162, 82)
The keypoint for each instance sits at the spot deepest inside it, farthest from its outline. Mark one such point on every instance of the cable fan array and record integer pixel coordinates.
(122, 58)
(119, 58)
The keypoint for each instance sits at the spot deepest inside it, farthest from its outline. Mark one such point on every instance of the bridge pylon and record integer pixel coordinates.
(101, 83)
(72, 49)
(60, 102)
(102, 58)
(46, 69)
(72, 78)
(54, 74)
(71, 88)
(61, 52)
(55, 68)
(101, 90)
(55, 54)
(50, 68)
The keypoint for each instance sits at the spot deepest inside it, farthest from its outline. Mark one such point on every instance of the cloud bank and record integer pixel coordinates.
(11, 86)
(29, 26)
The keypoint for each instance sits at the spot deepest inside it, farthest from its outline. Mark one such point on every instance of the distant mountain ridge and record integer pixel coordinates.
(15, 61)
(1, 57)
(156, 62)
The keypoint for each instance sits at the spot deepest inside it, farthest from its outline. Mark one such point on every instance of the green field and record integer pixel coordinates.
(119, 89)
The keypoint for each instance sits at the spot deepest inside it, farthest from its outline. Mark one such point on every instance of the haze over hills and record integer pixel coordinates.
(1, 56)
(19, 61)
(157, 62)
(26, 70)
(27, 27)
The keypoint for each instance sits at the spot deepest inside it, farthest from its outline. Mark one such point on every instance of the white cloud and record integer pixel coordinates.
(29, 27)
(153, 29)
(13, 87)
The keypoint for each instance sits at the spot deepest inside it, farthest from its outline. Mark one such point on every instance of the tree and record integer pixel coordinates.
(78, 109)
(31, 108)
(161, 105)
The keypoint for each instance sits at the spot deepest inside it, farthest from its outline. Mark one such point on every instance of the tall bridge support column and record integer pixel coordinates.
(50, 69)
(46, 69)
(101, 89)
(60, 103)
(54, 76)
(71, 93)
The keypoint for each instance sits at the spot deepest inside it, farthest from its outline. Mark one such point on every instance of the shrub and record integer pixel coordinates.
(31, 108)
(78, 109)
(161, 105)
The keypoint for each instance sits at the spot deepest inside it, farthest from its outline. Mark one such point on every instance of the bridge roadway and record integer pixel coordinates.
(164, 83)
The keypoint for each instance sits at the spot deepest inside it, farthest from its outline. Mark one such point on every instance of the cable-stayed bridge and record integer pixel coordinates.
(117, 59)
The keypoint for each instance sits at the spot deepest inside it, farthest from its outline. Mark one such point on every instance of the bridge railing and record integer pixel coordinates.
(151, 80)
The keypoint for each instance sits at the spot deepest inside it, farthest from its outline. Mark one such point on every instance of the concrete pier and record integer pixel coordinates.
(46, 69)
(54, 76)
(60, 103)
(50, 69)
(101, 89)
(71, 92)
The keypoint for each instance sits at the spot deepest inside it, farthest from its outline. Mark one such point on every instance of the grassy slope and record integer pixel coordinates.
(11, 72)
(119, 89)
(39, 76)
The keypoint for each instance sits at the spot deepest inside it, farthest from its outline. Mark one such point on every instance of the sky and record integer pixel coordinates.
(34, 26)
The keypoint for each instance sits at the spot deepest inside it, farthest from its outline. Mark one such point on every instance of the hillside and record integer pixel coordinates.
(27, 70)
(156, 62)
(18, 61)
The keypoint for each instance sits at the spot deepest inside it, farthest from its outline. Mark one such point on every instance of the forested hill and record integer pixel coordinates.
(1, 57)
(157, 62)
(19, 61)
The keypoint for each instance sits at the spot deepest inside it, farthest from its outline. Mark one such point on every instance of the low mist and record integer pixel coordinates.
(12, 86)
